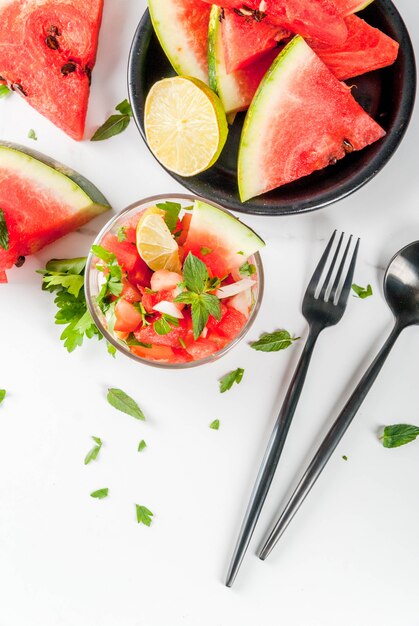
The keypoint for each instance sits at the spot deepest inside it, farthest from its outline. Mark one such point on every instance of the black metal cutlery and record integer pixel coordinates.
(323, 305)
(401, 290)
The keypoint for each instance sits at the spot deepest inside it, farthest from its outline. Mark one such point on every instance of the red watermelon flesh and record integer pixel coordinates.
(366, 49)
(346, 7)
(47, 53)
(301, 120)
(245, 39)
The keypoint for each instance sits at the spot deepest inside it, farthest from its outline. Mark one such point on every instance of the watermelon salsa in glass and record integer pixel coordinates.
(174, 281)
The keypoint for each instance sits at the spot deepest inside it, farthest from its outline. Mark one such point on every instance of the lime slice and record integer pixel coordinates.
(185, 125)
(155, 243)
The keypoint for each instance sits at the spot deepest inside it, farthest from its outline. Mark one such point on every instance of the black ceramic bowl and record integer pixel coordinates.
(388, 95)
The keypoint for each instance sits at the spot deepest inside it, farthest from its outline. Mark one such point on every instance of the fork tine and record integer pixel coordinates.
(312, 285)
(348, 280)
(331, 268)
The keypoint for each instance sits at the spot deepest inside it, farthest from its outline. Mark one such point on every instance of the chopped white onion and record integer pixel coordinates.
(204, 332)
(170, 308)
(231, 290)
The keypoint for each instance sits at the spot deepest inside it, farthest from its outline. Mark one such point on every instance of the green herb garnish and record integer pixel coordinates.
(215, 425)
(171, 214)
(32, 135)
(112, 285)
(4, 233)
(115, 124)
(165, 324)
(197, 284)
(121, 234)
(92, 454)
(362, 292)
(140, 308)
(273, 342)
(100, 493)
(345, 458)
(2, 395)
(123, 402)
(205, 251)
(144, 515)
(4, 91)
(399, 435)
(142, 445)
(247, 269)
(227, 381)
(182, 343)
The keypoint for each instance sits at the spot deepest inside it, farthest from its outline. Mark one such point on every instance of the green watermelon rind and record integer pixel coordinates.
(212, 45)
(89, 189)
(360, 7)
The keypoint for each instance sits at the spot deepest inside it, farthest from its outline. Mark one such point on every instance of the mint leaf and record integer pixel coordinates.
(247, 269)
(399, 435)
(212, 305)
(144, 515)
(227, 381)
(123, 402)
(362, 292)
(114, 125)
(195, 274)
(2, 395)
(171, 213)
(215, 425)
(142, 445)
(4, 233)
(200, 316)
(273, 342)
(121, 234)
(162, 326)
(32, 135)
(4, 91)
(100, 493)
(92, 454)
(124, 108)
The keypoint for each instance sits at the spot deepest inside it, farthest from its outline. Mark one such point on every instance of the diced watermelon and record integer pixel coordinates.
(366, 49)
(346, 7)
(155, 353)
(201, 348)
(130, 293)
(125, 251)
(147, 334)
(301, 120)
(231, 324)
(47, 53)
(128, 318)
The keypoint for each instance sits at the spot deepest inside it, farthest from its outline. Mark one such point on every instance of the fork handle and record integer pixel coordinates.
(329, 444)
(272, 455)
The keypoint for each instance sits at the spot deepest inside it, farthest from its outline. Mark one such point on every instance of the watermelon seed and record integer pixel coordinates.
(333, 161)
(52, 42)
(221, 16)
(53, 30)
(347, 146)
(68, 68)
(20, 261)
(3, 80)
(88, 72)
(18, 87)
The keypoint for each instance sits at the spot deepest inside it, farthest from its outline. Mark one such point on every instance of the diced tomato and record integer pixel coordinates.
(127, 317)
(212, 322)
(186, 220)
(201, 348)
(155, 353)
(140, 274)
(130, 293)
(231, 324)
(125, 251)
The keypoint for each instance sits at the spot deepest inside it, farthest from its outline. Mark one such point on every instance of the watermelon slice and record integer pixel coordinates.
(39, 203)
(245, 39)
(235, 89)
(182, 29)
(47, 53)
(229, 241)
(366, 49)
(300, 120)
(346, 7)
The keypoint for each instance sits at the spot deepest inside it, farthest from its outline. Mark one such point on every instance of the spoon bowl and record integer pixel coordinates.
(401, 285)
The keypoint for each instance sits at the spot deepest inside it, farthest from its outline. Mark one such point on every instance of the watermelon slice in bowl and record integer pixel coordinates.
(387, 95)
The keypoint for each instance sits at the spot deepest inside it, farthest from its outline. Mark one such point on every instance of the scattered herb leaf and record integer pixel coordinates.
(123, 402)
(215, 425)
(362, 292)
(111, 349)
(273, 342)
(142, 445)
(182, 343)
(92, 454)
(144, 515)
(164, 325)
(4, 233)
(399, 435)
(100, 493)
(171, 213)
(124, 108)
(345, 458)
(32, 135)
(2, 395)
(115, 124)
(227, 381)
(247, 269)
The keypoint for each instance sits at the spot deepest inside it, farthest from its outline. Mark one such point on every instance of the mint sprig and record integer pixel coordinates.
(273, 342)
(399, 435)
(116, 123)
(123, 402)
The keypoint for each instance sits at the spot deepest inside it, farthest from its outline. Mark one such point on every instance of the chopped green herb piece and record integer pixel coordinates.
(241, 252)
(171, 214)
(182, 343)
(164, 325)
(124, 108)
(142, 445)
(247, 269)
(100, 493)
(215, 425)
(123, 402)
(132, 341)
(32, 135)
(205, 251)
(273, 342)
(112, 285)
(195, 274)
(140, 308)
(345, 458)
(121, 234)
(4, 91)
(115, 124)
(227, 381)
(2, 395)
(111, 349)
(4, 232)
(399, 435)
(92, 454)
(362, 292)
(188, 208)
(144, 515)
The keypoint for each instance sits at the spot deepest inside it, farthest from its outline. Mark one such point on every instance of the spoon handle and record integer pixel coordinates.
(329, 444)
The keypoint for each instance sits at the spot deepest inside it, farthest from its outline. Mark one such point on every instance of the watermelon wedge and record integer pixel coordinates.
(47, 54)
(245, 39)
(227, 240)
(182, 29)
(300, 120)
(346, 7)
(366, 49)
(235, 89)
(39, 203)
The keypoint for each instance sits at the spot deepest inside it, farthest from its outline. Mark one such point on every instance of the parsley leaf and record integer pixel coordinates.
(227, 381)
(2, 395)
(4, 91)
(112, 285)
(362, 292)
(4, 233)
(247, 269)
(116, 123)
(123, 402)
(111, 349)
(100, 493)
(124, 108)
(144, 515)
(273, 342)
(399, 435)
(215, 425)
(171, 213)
(32, 135)
(142, 445)
(92, 454)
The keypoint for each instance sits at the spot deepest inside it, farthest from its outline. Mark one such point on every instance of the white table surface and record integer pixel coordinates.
(350, 558)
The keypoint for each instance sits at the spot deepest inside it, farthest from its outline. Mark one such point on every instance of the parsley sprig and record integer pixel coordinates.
(197, 285)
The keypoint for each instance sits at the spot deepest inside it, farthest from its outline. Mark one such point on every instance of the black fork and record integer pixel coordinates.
(324, 305)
